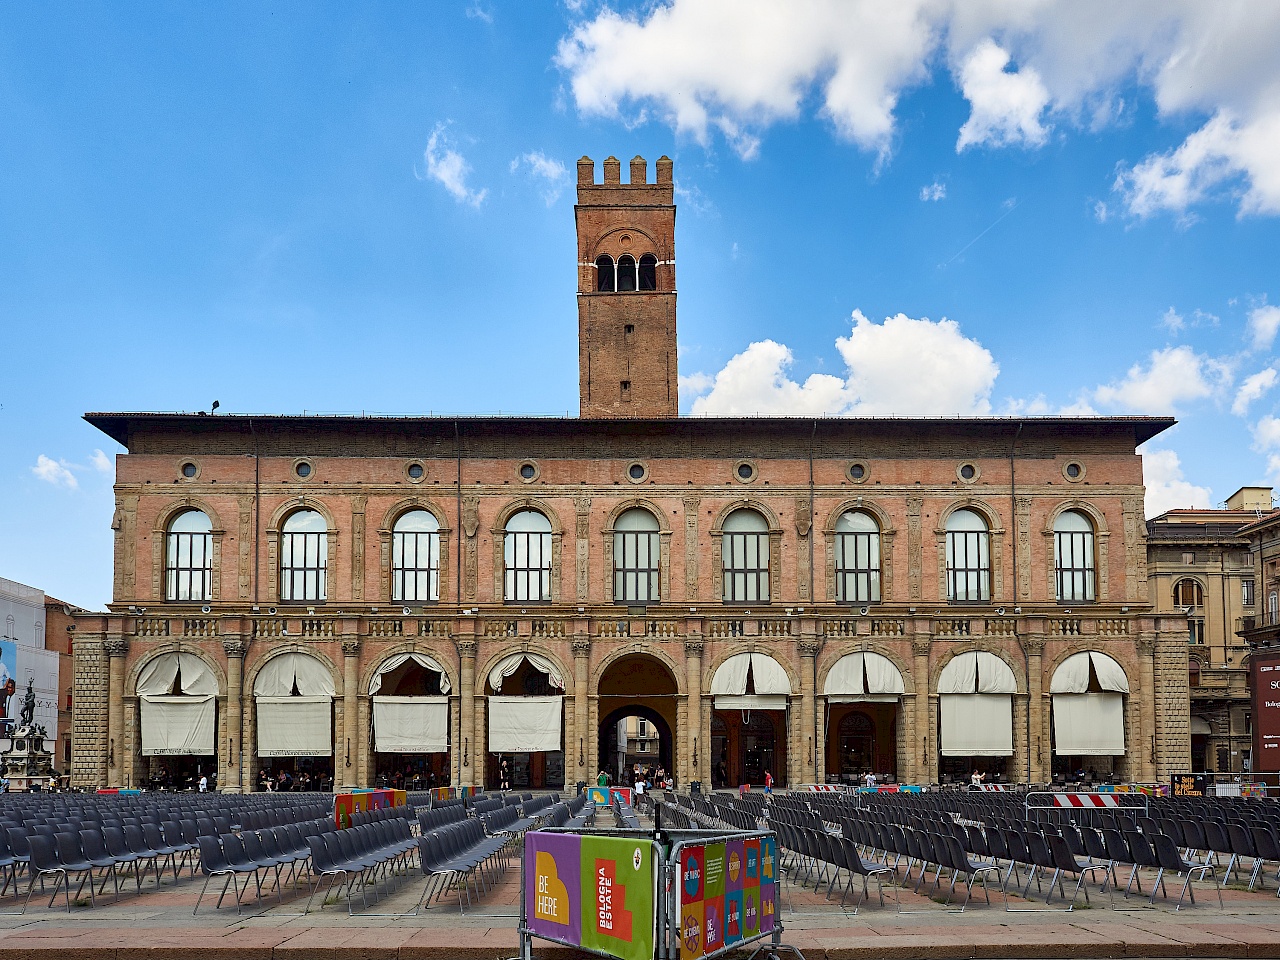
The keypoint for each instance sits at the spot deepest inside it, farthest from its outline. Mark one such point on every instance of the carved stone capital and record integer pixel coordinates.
(1146, 644)
(693, 648)
(809, 648)
(581, 647)
(467, 648)
(920, 646)
(1033, 645)
(116, 647)
(235, 647)
(351, 648)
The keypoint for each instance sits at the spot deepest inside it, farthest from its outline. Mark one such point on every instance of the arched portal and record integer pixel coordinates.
(526, 723)
(636, 688)
(410, 722)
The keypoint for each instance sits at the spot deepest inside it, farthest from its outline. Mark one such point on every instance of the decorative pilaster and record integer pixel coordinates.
(470, 527)
(1146, 747)
(350, 733)
(575, 760)
(696, 759)
(117, 648)
(1022, 530)
(357, 546)
(582, 528)
(804, 553)
(691, 548)
(1037, 745)
(922, 749)
(466, 709)
(915, 545)
(807, 743)
(232, 780)
(244, 546)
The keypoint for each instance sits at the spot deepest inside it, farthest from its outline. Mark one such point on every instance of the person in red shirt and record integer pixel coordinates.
(768, 782)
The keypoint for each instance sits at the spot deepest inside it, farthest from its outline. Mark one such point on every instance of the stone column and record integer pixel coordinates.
(1037, 746)
(235, 650)
(117, 649)
(1147, 691)
(920, 750)
(809, 647)
(348, 776)
(696, 762)
(466, 710)
(576, 754)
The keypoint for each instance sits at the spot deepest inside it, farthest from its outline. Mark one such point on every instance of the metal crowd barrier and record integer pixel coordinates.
(651, 895)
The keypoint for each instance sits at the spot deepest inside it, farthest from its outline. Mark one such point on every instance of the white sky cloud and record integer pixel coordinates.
(934, 191)
(1251, 389)
(56, 472)
(903, 366)
(1167, 488)
(739, 66)
(1172, 321)
(447, 167)
(1005, 105)
(102, 463)
(1264, 322)
(1172, 376)
(551, 173)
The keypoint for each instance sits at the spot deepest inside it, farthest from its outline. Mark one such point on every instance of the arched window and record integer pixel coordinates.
(415, 557)
(606, 281)
(1188, 593)
(968, 557)
(188, 557)
(648, 272)
(528, 557)
(857, 558)
(635, 557)
(1073, 557)
(745, 555)
(626, 274)
(304, 557)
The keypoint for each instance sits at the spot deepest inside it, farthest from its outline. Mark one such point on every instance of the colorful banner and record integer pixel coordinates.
(598, 795)
(726, 894)
(622, 793)
(443, 793)
(596, 893)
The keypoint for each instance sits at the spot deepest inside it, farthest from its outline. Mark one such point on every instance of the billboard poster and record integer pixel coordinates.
(1188, 785)
(1264, 681)
(10, 701)
(726, 894)
(596, 893)
(598, 795)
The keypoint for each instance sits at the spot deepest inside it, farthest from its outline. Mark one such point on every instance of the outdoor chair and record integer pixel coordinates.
(1169, 859)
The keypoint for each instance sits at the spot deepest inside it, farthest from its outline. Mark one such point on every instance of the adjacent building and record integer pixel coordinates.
(808, 597)
(35, 648)
(1201, 568)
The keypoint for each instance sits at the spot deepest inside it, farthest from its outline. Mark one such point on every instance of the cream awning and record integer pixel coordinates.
(525, 724)
(863, 676)
(280, 674)
(510, 664)
(1072, 675)
(178, 726)
(976, 725)
(295, 726)
(421, 659)
(977, 672)
(1088, 724)
(411, 724)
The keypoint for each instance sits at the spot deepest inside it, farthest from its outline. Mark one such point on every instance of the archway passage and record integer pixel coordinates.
(529, 738)
(411, 724)
(636, 685)
(862, 738)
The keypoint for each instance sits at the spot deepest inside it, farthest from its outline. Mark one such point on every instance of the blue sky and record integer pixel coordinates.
(914, 208)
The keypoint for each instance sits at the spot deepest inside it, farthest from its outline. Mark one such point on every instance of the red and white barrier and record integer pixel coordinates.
(1085, 800)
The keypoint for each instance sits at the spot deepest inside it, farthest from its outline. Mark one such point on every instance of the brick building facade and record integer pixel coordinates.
(816, 597)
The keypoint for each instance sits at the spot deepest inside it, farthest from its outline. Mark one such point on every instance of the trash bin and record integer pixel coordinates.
(581, 786)
(695, 788)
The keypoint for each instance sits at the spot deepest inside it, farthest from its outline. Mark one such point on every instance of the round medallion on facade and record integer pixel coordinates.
(637, 471)
(1073, 471)
(189, 470)
(528, 471)
(744, 471)
(415, 471)
(858, 471)
(968, 472)
(303, 469)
